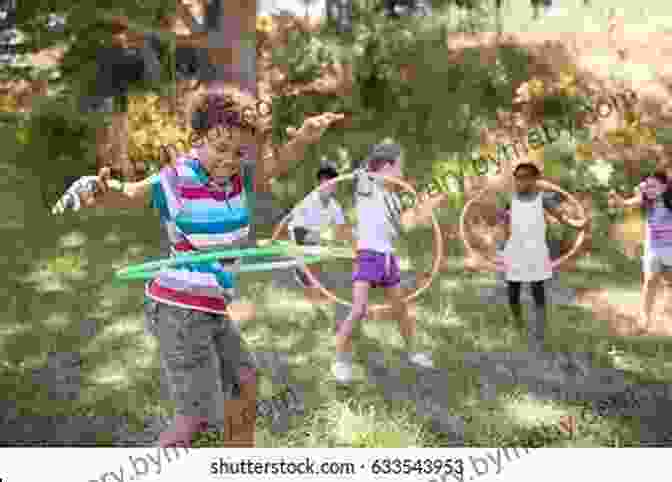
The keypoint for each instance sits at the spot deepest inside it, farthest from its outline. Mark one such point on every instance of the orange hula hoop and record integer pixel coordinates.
(438, 244)
(544, 184)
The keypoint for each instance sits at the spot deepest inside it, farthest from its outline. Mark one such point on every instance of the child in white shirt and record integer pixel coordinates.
(317, 210)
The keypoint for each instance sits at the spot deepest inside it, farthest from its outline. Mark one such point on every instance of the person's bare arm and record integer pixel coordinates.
(421, 213)
(310, 132)
(563, 218)
(134, 194)
(617, 201)
(111, 193)
(286, 155)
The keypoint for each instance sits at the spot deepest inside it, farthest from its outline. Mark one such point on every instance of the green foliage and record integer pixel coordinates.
(562, 107)
(304, 55)
(512, 65)
(59, 141)
(291, 110)
(85, 31)
(152, 130)
(56, 140)
(439, 115)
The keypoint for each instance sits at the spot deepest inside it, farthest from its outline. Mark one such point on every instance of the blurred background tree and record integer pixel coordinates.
(98, 57)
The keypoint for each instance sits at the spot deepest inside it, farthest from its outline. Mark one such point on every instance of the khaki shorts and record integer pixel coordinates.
(201, 356)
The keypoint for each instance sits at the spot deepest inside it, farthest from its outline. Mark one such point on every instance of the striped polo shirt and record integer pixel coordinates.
(199, 216)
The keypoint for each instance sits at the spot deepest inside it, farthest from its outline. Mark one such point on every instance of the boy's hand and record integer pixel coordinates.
(86, 190)
(313, 128)
(242, 311)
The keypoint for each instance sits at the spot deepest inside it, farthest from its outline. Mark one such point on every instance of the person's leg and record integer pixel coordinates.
(151, 309)
(666, 280)
(573, 362)
(238, 377)
(537, 323)
(299, 235)
(393, 296)
(407, 326)
(652, 278)
(342, 367)
(186, 346)
(304, 237)
(513, 289)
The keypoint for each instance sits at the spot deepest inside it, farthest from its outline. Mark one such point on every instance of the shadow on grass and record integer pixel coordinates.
(58, 300)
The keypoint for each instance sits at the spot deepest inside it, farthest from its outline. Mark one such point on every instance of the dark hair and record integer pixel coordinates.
(227, 109)
(667, 195)
(327, 172)
(528, 165)
(376, 165)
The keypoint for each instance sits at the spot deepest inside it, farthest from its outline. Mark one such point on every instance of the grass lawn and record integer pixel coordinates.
(57, 295)
(59, 275)
(648, 16)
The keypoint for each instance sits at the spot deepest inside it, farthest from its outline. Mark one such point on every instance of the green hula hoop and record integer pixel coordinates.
(306, 255)
(277, 249)
(249, 268)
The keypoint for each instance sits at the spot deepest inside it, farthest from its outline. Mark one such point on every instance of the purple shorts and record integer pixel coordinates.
(379, 269)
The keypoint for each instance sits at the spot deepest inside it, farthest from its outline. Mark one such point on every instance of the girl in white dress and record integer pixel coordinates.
(526, 256)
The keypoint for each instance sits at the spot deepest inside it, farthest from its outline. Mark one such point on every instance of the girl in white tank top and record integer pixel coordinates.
(526, 256)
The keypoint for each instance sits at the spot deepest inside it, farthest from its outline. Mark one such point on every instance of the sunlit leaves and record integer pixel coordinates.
(151, 126)
(602, 170)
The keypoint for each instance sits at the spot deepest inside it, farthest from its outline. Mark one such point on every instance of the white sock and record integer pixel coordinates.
(344, 357)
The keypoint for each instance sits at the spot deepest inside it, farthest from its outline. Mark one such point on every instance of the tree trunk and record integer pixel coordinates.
(112, 146)
(120, 145)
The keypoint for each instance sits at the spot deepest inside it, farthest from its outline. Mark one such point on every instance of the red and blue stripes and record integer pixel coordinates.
(198, 216)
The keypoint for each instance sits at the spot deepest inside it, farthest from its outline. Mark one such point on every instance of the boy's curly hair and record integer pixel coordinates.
(226, 107)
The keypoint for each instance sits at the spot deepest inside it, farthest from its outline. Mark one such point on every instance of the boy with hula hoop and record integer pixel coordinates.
(203, 203)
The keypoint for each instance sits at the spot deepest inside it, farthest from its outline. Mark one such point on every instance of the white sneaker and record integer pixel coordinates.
(342, 372)
(422, 359)
(300, 278)
(554, 11)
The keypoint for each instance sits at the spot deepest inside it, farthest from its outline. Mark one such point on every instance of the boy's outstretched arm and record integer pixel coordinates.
(563, 218)
(310, 132)
(103, 191)
(132, 194)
